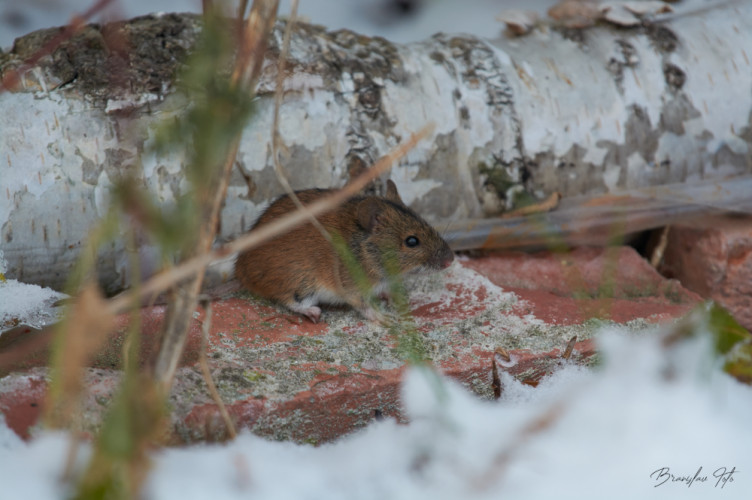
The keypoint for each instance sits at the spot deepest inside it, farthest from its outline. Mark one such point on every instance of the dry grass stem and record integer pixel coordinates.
(278, 93)
(161, 282)
(204, 363)
(242, 7)
(660, 248)
(503, 458)
(70, 457)
(245, 74)
(254, 36)
(85, 331)
(278, 169)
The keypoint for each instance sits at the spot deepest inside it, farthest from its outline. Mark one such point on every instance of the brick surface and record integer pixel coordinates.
(287, 378)
(712, 256)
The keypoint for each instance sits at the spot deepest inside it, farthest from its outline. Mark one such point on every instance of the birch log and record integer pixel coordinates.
(574, 111)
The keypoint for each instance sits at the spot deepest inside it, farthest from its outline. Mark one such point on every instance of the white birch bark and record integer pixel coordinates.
(579, 112)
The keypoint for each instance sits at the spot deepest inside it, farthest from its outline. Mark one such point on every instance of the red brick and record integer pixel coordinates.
(712, 256)
(287, 378)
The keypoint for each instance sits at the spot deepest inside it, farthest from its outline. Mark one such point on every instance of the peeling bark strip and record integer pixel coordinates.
(578, 112)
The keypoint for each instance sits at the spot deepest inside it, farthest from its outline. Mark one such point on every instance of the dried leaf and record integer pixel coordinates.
(495, 378)
(648, 7)
(726, 331)
(618, 14)
(503, 354)
(570, 347)
(629, 13)
(575, 13)
(518, 22)
(500, 360)
(544, 206)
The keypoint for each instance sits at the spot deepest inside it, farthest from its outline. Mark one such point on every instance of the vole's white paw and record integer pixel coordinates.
(311, 312)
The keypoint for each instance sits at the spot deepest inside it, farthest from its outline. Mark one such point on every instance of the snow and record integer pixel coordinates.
(31, 305)
(24, 304)
(609, 429)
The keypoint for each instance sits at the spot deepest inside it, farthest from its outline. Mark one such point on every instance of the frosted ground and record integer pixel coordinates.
(648, 423)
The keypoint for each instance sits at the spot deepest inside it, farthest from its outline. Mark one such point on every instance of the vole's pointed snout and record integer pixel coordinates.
(446, 258)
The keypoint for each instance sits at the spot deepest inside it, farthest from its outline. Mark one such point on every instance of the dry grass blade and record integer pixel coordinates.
(165, 280)
(80, 338)
(204, 363)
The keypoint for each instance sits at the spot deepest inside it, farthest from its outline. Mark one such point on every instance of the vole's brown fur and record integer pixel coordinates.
(301, 269)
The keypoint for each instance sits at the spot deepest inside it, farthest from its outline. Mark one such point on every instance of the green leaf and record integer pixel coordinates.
(726, 330)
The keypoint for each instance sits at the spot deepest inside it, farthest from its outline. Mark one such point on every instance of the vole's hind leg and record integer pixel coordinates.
(313, 312)
(305, 306)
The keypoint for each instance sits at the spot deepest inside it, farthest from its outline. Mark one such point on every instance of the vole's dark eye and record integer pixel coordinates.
(412, 241)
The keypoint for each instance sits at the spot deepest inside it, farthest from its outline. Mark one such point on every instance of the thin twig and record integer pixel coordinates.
(188, 268)
(207, 373)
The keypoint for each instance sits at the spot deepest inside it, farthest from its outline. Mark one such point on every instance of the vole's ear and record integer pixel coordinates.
(369, 211)
(391, 192)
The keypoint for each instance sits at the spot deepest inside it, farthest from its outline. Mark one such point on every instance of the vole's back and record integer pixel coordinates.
(291, 263)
